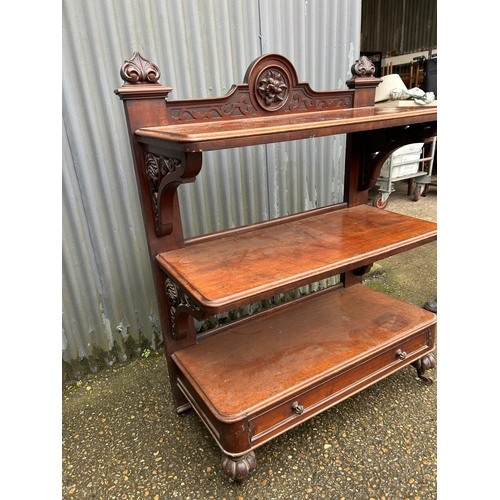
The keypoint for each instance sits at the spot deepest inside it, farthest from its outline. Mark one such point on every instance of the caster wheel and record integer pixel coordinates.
(426, 380)
(378, 203)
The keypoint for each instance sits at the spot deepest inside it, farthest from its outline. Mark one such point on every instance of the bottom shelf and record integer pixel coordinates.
(267, 373)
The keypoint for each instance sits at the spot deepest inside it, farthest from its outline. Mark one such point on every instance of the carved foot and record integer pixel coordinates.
(359, 271)
(239, 468)
(425, 363)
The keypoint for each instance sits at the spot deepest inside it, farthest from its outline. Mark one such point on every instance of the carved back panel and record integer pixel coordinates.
(270, 86)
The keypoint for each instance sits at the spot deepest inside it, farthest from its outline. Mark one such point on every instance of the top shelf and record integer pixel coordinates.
(289, 254)
(217, 134)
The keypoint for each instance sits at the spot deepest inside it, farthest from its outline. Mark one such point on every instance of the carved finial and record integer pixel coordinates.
(139, 70)
(363, 67)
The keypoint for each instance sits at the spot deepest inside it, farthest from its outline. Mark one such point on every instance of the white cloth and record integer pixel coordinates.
(418, 95)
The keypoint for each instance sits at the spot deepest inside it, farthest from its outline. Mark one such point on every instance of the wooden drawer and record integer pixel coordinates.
(312, 401)
(315, 351)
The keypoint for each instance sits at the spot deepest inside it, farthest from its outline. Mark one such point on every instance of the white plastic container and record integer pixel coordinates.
(403, 161)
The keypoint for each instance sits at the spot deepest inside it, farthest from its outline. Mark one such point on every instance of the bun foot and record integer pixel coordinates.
(422, 365)
(240, 467)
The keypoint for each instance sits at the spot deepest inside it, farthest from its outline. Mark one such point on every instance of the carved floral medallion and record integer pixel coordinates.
(272, 88)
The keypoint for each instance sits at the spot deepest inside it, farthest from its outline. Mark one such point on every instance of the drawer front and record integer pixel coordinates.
(312, 401)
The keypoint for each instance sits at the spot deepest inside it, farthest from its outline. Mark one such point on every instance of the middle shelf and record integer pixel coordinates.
(236, 269)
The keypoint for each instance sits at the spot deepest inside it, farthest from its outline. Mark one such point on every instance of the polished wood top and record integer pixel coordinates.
(269, 358)
(234, 270)
(218, 134)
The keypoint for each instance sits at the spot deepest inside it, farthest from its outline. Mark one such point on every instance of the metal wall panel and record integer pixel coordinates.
(323, 46)
(397, 27)
(202, 47)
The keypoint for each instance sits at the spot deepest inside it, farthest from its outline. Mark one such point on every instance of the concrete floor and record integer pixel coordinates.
(122, 438)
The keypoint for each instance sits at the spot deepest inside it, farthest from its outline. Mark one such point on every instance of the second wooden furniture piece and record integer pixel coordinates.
(255, 378)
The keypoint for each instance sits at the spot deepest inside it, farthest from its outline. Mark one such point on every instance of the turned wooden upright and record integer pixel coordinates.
(257, 377)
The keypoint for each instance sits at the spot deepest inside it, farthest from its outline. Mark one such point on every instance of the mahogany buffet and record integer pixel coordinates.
(257, 377)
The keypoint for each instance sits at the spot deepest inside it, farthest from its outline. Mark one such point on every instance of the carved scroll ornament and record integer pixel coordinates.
(139, 70)
(363, 67)
(179, 303)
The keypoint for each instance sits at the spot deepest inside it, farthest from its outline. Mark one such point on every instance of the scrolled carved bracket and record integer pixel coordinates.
(180, 304)
(379, 145)
(165, 173)
(157, 169)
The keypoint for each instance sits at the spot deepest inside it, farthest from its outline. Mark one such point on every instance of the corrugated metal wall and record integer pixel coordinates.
(202, 47)
(397, 27)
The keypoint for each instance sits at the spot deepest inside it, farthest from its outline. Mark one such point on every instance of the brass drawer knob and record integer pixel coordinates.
(297, 408)
(400, 354)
